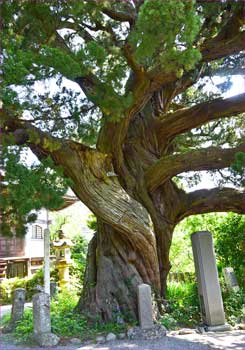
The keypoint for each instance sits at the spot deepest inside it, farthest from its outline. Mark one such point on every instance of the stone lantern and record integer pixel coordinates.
(62, 249)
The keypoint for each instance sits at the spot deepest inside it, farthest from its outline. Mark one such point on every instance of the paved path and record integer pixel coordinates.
(210, 341)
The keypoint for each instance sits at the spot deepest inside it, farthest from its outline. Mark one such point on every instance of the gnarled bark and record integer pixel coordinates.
(115, 267)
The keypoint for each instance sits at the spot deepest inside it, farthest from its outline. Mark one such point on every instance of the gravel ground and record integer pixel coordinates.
(210, 341)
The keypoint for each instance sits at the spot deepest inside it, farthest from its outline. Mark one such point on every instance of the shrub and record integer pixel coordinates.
(7, 286)
(229, 244)
(233, 306)
(65, 321)
(183, 304)
(228, 233)
(24, 328)
(5, 319)
(78, 255)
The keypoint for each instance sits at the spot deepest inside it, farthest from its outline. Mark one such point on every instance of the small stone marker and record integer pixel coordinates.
(207, 277)
(38, 288)
(230, 279)
(53, 289)
(41, 321)
(145, 306)
(17, 309)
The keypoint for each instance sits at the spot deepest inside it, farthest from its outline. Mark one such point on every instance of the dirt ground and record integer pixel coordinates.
(233, 340)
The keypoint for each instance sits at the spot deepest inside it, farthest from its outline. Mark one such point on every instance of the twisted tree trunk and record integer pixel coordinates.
(115, 267)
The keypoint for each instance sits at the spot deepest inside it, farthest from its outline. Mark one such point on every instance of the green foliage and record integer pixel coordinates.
(68, 322)
(183, 304)
(184, 309)
(229, 244)
(159, 39)
(65, 321)
(5, 319)
(233, 306)
(78, 255)
(7, 286)
(92, 222)
(26, 188)
(238, 167)
(181, 255)
(24, 328)
(228, 234)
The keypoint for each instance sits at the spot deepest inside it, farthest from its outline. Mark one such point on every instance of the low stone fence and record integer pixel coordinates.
(181, 277)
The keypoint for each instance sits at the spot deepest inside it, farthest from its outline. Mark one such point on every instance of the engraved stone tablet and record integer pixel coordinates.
(145, 306)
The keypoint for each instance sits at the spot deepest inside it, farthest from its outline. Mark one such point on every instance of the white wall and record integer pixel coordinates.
(34, 247)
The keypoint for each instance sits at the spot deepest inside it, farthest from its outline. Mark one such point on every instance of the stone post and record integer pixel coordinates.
(42, 322)
(17, 309)
(145, 306)
(230, 279)
(208, 283)
(46, 261)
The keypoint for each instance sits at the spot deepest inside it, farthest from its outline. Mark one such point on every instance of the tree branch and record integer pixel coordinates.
(216, 49)
(120, 16)
(212, 200)
(20, 132)
(205, 159)
(117, 15)
(229, 40)
(188, 118)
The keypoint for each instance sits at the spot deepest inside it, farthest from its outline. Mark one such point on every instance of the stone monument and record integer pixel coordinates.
(211, 302)
(41, 321)
(230, 279)
(17, 309)
(145, 306)
(147, 329)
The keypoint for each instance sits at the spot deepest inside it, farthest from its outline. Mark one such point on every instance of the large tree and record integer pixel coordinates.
(147, 117)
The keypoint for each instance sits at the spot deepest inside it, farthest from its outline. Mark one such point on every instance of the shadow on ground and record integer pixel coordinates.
(209, 341)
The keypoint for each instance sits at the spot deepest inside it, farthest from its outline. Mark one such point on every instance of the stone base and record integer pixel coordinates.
(156, 332)
(221, 328)
(46, 339)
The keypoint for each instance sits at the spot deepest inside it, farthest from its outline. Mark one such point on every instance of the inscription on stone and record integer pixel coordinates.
(230, 279)
(145, 306)
(207, 278)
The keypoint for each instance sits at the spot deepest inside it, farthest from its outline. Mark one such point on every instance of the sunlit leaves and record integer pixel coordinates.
(158, 39)
(26, 188)
(238, 169)
(60, 62)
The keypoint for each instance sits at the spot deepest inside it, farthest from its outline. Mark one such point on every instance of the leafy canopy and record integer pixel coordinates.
(26, 188)
(52, 49)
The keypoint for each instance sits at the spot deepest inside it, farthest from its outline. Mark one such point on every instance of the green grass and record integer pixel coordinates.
(65, 322)
(184, 306)
(5, 319)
